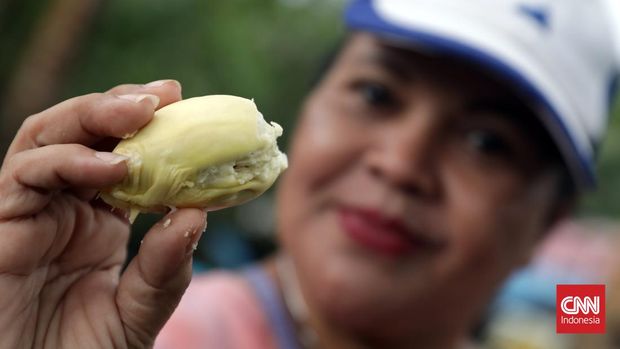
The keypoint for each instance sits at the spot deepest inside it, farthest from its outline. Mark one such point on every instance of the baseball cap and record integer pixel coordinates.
(562, 56)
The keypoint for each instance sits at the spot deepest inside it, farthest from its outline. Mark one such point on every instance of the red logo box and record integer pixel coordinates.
(580, 309)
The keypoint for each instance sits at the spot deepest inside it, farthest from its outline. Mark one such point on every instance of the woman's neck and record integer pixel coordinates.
(331, 338)
(314, 333)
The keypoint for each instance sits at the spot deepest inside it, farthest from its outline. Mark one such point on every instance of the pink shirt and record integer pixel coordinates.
(219, 310)
(224, 310)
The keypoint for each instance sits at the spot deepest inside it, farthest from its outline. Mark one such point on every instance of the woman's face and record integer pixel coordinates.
(415, 186)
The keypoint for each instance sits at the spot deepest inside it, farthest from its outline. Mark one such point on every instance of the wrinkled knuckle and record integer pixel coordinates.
(19, 164)
(31, 122)
(124, 87)
(31, 127)
(81, 103)
(86, 104)
(4, 180)
(15, 163)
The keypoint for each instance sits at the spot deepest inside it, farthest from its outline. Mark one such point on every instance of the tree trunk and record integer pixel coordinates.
(40, 73)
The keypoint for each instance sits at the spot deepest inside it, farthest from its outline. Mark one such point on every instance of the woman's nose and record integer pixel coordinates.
(404, 153)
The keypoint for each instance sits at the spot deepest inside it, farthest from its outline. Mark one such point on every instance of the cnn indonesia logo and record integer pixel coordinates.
(580, 308)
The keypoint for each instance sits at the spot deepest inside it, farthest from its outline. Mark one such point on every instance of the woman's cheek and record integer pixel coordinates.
(328, 141)
(492, 221)
(482, 220)
(325, 145)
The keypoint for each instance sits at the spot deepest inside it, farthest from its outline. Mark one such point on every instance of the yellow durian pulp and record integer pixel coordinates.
(209, 152)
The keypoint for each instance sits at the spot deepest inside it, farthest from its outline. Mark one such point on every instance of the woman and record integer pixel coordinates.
(436, 151)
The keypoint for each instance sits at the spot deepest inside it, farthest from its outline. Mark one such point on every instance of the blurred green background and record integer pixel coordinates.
(268, 50)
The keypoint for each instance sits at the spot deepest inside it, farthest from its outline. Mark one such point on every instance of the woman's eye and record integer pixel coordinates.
(488, 143)
(376, 94)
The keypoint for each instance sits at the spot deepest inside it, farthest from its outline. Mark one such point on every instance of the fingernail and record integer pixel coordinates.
(193, 236)
(204, 224)
(153, 99)
(129, 135)
(160, 83)
(111, 158)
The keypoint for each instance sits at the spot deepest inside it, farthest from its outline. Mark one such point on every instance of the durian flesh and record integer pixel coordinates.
(208, 152)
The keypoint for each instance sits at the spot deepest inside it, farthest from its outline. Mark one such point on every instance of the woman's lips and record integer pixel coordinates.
(378, 233)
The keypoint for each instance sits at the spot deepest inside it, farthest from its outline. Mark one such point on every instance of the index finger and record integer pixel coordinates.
(90, 118)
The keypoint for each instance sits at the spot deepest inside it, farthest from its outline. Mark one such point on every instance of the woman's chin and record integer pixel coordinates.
(356, 289)
(355, 297)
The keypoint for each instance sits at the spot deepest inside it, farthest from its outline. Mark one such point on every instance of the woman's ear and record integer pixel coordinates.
(565, 201)
(562, 208)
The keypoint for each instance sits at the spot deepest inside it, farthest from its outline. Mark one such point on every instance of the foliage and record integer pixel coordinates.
(606, 200)
(265, 50)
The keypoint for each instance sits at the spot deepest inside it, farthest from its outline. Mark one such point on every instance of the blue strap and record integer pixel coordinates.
(273, 306)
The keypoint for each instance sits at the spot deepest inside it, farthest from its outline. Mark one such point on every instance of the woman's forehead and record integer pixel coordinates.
(414, 63)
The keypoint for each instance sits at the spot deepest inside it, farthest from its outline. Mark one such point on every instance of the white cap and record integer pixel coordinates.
(562, 55)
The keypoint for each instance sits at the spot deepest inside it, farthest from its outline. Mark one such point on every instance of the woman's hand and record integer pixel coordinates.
(61, 252)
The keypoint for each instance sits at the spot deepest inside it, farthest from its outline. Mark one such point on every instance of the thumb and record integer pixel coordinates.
(152, 286)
